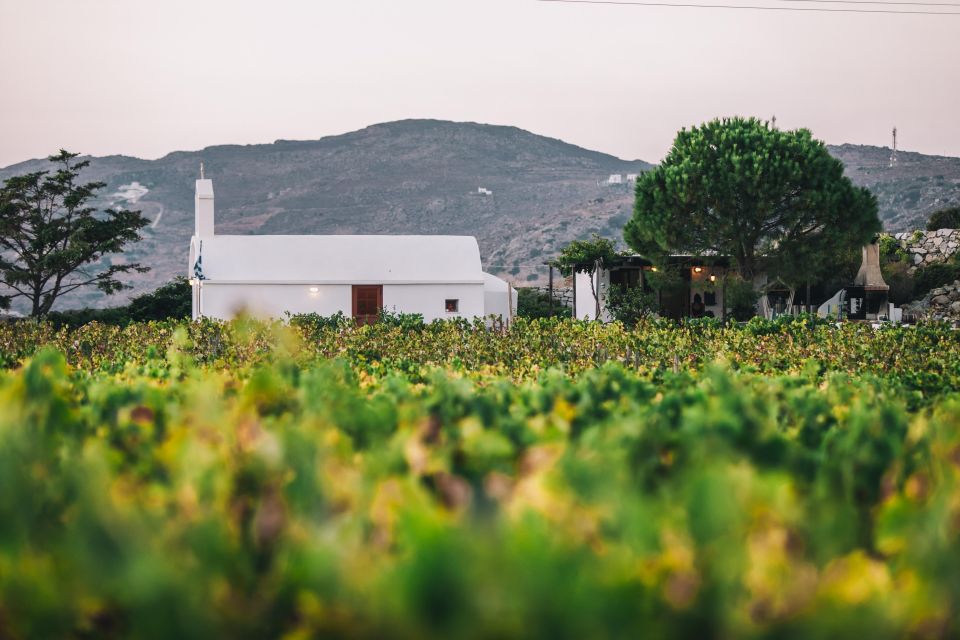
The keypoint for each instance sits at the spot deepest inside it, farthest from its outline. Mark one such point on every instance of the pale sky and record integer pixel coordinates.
(145, 78)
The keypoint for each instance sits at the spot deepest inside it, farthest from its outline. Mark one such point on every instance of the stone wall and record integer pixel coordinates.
(927, 247)
(943, 303)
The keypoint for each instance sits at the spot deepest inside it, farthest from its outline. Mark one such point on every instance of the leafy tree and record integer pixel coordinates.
(587, 256)
(51, 239)
(742, 188)
(944, 219)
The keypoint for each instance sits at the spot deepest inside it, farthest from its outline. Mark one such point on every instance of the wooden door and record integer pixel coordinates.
(367, 303)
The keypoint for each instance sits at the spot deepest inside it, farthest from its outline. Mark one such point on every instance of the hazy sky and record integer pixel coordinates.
(145, 77)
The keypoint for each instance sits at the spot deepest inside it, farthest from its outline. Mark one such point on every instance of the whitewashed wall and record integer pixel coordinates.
(700, 284)
(428, 299)
(499, 299)
(586, 306)
(226, 300)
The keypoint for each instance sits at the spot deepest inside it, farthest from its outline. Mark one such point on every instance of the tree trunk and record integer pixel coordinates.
(747, 267)
(35, 302)
(593, 289)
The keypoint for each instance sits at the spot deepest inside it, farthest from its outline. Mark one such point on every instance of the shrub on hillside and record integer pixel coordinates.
(944, 219)
(891, 251)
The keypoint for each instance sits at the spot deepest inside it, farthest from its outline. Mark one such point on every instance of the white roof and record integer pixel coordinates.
(493, 283)
(340, 259)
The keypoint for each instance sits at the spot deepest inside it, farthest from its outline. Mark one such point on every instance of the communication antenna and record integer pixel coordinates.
(893, 154)
(201, 169)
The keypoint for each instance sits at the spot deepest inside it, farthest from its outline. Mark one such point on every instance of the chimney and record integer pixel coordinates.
(203, 207)
(869, 277)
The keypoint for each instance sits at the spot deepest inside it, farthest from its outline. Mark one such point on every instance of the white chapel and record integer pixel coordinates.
(271, 275)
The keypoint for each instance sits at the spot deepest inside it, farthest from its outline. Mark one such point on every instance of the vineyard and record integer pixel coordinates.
(559, 479)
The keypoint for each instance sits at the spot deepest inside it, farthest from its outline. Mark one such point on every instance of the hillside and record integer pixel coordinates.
(909, 191)
(423, 176)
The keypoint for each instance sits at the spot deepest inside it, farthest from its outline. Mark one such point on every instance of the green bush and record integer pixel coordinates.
(741, 298)
(400, 320)
(313, 324)
(902, 283)
(934, 275)
(891, 250)
(172, 301)
(533, 303)
(944, 219)
(630, 305)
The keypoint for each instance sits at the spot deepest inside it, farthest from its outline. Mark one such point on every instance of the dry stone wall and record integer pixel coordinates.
(928, 247)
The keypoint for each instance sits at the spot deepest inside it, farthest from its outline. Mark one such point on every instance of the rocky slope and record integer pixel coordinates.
(942, 303)
(909, 191)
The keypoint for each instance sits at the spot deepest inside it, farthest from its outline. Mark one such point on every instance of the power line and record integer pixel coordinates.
(690, 5)
(885, 2)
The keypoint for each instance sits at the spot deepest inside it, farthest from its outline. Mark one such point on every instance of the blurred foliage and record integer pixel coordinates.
(922, 358)
(561, 479)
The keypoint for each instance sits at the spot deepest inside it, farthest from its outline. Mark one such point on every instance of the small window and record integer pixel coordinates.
(452, 305)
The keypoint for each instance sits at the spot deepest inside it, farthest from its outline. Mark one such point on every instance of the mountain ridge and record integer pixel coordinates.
(425, 176)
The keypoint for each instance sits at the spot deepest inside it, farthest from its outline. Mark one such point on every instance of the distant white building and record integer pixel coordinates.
(269, 276)
(615, 178)
(484, 191)
(632, 177)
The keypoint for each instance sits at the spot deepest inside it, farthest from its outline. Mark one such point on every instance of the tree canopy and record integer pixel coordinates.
(52, 241)
(741, 188)
(586, 256)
